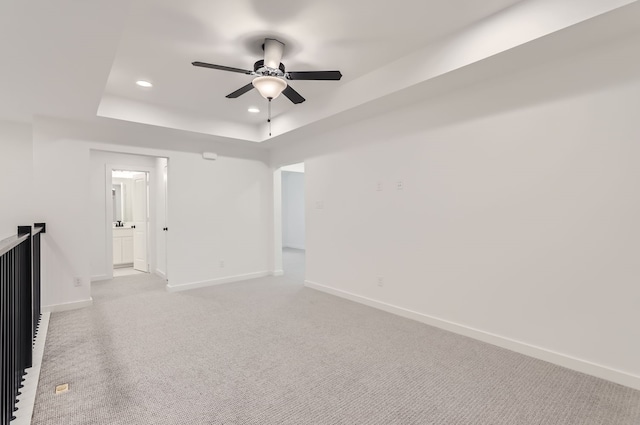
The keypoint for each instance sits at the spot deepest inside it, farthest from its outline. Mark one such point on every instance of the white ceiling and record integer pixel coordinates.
(76, 59)
(163, 37)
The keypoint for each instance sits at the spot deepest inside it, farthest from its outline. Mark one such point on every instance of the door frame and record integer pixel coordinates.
(276, 228)
(277, 268)
(109, 168)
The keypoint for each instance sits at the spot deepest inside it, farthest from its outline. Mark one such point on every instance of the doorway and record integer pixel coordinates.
(130, 225)
(112, 200)
(293, 220)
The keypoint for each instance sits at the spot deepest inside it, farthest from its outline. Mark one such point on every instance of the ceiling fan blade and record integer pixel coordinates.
(273, 50)
(314, 75)
(221, 68)
(293, 95)
(240, 91)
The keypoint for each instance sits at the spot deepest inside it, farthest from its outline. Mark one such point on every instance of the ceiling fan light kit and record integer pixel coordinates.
(271, 75)
(269, 87)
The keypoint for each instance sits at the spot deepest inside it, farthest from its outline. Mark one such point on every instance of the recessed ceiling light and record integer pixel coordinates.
(253, 110)
(143, 83)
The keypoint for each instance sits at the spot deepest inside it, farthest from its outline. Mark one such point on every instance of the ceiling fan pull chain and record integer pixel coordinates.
(269, 117)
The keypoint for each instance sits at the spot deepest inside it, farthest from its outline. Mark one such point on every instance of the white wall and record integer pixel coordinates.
(16, 177)
(62, 198)
(293, 232)
(518, 218)
(219, 211)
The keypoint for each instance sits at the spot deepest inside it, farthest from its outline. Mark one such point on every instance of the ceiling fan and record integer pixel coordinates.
(270, 74)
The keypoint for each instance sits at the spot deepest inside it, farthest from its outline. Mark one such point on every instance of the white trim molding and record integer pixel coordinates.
(276, 272)
(580, 365)
(54, 308)
(214, 282)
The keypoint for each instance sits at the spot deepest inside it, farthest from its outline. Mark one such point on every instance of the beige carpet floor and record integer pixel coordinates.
(269, 351)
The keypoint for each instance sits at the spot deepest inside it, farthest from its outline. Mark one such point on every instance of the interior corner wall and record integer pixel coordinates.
(293, 232)
(16, 175)
(509, 209)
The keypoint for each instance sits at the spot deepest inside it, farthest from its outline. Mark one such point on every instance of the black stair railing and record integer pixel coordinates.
(19, 312)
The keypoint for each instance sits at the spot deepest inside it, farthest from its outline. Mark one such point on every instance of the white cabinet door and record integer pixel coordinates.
(127, 249)
(117, 250)
(122, 246)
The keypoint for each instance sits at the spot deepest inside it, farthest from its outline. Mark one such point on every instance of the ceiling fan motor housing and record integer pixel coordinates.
(260, 69)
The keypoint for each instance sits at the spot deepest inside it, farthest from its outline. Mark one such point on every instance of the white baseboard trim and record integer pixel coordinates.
(580, 365)
(218, 281)
(68, 306)
(100, 277)
(276, 272)
(161, 274)
(28, 397)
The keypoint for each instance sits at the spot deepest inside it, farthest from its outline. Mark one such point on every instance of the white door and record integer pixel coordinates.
(161, 217)
(166, 222)
(140, 223)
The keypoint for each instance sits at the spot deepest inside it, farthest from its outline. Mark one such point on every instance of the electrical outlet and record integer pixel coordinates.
(222, 264)
(380, 281)
(399, 185)
(77, 281)
(379, 187)
(319, 205)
